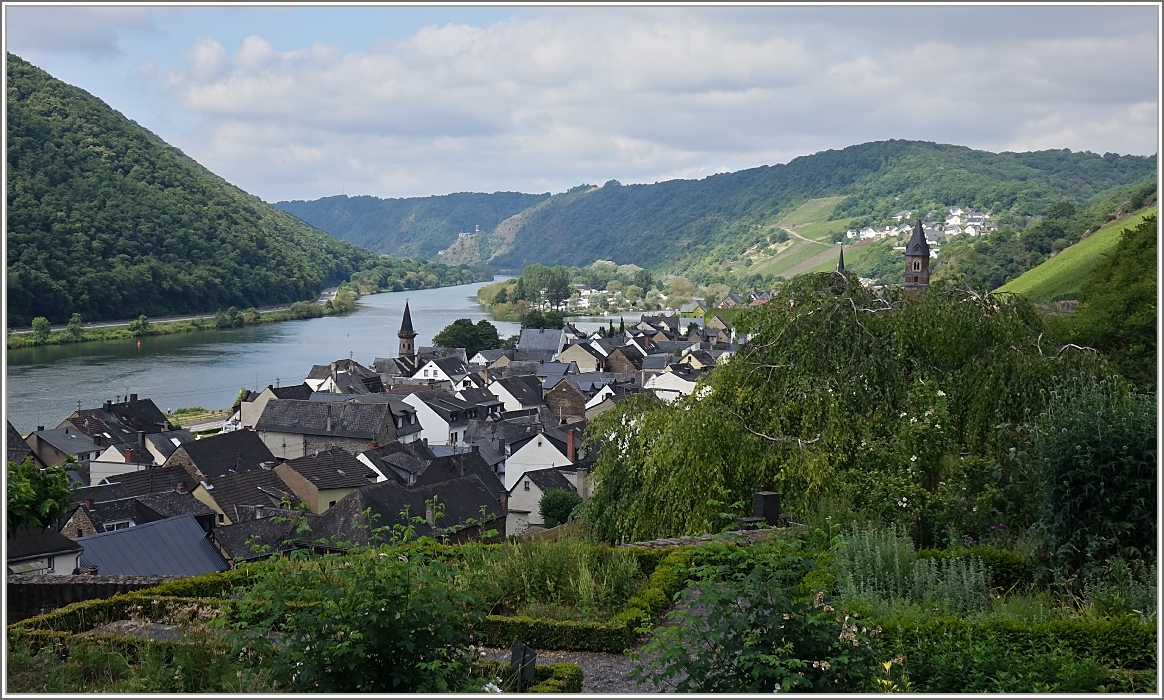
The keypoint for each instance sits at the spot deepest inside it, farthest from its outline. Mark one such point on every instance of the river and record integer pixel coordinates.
(43, 385)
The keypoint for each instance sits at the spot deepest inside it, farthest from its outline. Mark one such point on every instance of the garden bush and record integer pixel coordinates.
(1123, 588)
(1008, 571)
(1095, 449)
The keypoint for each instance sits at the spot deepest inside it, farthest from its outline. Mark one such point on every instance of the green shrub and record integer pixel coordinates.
(549, 678)
(213, 585)
(760, 632)
(556, 505)
(1095, 449)
(1008, 571)
(393, 620)
(1123, 588)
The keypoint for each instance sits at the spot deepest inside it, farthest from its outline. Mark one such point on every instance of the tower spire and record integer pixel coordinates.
(406, 335)
(841, 261)
(917, 259)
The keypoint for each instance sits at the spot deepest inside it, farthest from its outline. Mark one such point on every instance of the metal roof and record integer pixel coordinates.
(176, 545)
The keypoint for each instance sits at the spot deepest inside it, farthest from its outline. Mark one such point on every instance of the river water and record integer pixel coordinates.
(43, 385)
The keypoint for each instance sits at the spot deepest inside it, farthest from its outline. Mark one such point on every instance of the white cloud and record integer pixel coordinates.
(557, 98)
(92, 31)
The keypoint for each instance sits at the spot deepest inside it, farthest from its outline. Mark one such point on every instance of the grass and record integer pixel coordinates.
(1063, 276)
(811, 211)
(853, 257)
(796, 254)
(820, 230)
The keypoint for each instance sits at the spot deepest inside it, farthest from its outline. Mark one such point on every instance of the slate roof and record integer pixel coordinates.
(269, 536)
(464, 463)
(918, 241)
(68, 440)
(424, 354)
(657, 361)
(454, 367)
(445, 404)
(96, 422)
(393, 367)
(462, 499)
(347, 419)
(164, 442)
(540, 339)
(176, 545)
(333, 469)
(487, 448)
(172, 503)
(140, 414)
(145, 509)
(406, 324)
(491, 356)
(228, 453)
(391, 459)
(547, 479)
(526, 389)
(28, 543)
(479, 397)
(147, 481)
(238, 494)
(17, 449)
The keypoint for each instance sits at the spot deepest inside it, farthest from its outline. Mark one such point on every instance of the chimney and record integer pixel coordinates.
(329, 417)
(108, 405)
(133, 397)
(583, 483)
(181, 488)
(40, 428)
(89, 504)
(141, 438)
(372, 445)
(430, 513)
(504, 502)
(425, 441)
(501, 447)
(570, 444)
(129, 455)
(475, 449)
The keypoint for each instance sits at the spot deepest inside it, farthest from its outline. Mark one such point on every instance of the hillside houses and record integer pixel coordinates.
(958, 221)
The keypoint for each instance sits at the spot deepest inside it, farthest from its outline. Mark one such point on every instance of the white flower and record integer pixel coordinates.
(902, 416)
(491, 688)
(913, 458)
(941, 393)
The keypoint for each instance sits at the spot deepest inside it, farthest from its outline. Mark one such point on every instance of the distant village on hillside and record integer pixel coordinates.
(432, 439)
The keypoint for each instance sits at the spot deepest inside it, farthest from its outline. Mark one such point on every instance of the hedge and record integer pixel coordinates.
(1120, 642)
(551, 678)
(614, 636)
(1007, 569)
(88, 614)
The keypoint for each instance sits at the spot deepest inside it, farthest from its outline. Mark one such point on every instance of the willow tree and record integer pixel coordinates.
(910, 408)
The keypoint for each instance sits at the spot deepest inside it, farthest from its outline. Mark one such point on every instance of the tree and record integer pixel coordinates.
(37, 498)
(41, 329)
(462, 333)
(871, 399)
(542, 319)
(74, 328)
(556, 505)
(1117, 306)
(643, 279)
(142, 325)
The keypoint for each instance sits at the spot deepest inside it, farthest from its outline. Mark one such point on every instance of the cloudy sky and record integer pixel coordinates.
(307, 102)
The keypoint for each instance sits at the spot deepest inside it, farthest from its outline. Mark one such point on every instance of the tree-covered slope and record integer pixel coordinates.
(106, 219)
(701, 226)
(416, 226)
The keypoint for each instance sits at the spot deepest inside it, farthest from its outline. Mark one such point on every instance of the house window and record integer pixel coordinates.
(51, 564)
(221, 519)
(527, 485)
(330, 504)
(917, 265)
(118, 525)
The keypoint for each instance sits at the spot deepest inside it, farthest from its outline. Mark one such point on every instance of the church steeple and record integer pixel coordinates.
(917, 259)
(406, 335)
(841, 261)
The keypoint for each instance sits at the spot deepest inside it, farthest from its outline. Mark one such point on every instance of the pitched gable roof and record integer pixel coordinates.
(238, 494)
(333, 469)
(339, 419)
(15, 445)
(526, 389)
(28, 543)
(226, 453)
(547, 479)
(541, 339)
(140, 483)
(176, 545)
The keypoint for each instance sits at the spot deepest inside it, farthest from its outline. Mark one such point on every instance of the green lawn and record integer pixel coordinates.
(797, 253)
(853, 257)
(810, 211)
(821, 229)
(1063, 276)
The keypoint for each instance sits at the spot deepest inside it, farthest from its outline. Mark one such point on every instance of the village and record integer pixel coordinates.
(431, 439)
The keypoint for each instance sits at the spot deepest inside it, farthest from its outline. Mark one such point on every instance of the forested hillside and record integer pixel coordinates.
(106, 219)
(414, 227)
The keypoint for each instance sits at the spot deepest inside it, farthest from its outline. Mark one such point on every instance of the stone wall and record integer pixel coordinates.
(30, 595)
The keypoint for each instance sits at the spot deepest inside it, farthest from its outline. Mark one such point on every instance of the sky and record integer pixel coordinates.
(306, 102)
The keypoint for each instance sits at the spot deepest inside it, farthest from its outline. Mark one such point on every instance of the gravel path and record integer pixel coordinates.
(601, 673)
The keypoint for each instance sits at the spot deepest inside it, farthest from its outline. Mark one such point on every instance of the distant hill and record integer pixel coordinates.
(108, 220)
(1062, 276)
(413, 227)
(729, 223)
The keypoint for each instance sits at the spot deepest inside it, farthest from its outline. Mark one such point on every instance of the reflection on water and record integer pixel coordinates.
(207, 368)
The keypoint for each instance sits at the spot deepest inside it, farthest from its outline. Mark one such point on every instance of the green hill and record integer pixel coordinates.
(727, 224)
(108, 220)
(1063, 276)
(415, 227)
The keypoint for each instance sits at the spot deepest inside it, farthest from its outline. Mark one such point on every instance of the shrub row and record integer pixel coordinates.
(551, 678)
(88, 614)
(1007, 569)
(614, 636)
(1120, 642)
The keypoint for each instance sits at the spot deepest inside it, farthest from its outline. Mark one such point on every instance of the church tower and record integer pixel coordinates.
(407, 336)
(841, 261)
(917, 260)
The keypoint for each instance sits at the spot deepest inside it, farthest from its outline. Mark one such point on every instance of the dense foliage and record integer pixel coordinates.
(37, 497)
(107, 220)
(1095, 451)
(556, 505)
(414, 226)
(906, 407)
(990, 262)
(462, 333)
(1117, 309)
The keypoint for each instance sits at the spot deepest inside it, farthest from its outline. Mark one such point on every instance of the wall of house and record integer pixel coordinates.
(532, 456)
(300, 486)
(249, 411)
(527, 500)
(329, 497)
(618, 362)
(181, 459)
(566, 402)
(98, 470)
(199, 492)
(78, 525)
(516, 523)
(283, 445)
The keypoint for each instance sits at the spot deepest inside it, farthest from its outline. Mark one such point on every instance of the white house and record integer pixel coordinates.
(443, 419)
(669, 386)
(119, 459)
(524, 500)
(518, 393)
(447, 369)
(538, 451)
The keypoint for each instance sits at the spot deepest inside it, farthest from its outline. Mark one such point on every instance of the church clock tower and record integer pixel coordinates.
(407, 337)
(917, 260)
